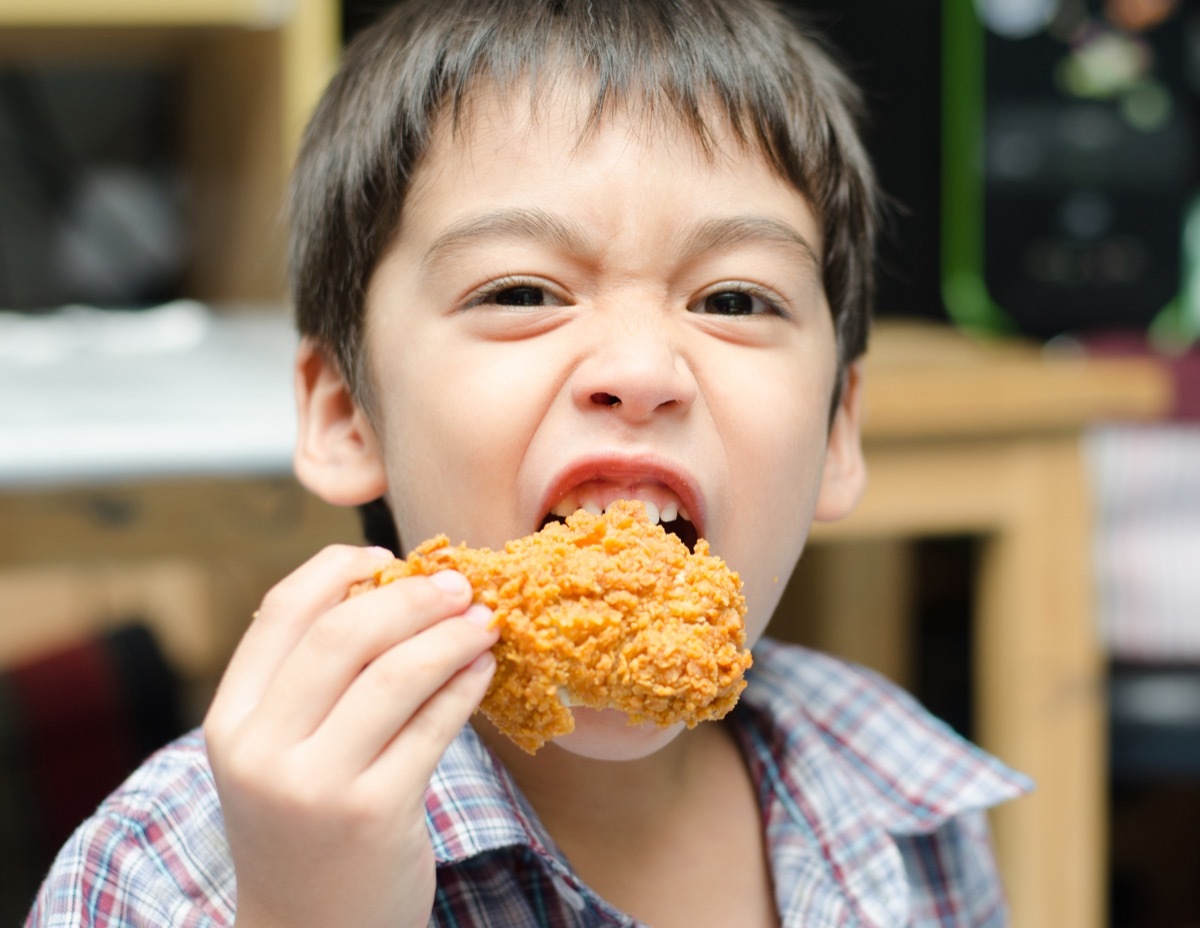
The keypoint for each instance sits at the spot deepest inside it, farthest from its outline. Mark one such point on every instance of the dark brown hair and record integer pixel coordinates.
(776, 86)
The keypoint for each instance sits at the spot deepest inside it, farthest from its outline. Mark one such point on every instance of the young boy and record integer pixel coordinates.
(551, 250)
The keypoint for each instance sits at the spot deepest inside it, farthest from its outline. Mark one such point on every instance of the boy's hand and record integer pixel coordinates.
(325, 730)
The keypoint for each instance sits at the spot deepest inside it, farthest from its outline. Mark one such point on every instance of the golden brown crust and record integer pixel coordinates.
(604, 611)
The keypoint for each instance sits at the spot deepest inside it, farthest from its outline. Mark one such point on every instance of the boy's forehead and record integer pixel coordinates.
(568, 106)
(479, 139)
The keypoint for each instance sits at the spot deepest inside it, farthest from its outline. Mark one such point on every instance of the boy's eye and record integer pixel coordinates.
(515, 292)
(523, 295)
(736, 303)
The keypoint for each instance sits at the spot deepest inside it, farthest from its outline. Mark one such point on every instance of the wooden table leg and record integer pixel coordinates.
(1039, 673)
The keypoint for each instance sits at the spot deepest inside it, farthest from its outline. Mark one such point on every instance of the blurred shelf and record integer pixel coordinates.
(245, 75)
(174, 392)
(926, 381)
(60, 13)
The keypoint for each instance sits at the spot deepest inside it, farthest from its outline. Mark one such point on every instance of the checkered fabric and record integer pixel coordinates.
(874, 814)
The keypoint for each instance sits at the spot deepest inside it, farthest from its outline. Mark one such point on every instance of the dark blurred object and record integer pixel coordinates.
(893, 52)
(90, 205)
(1153, 850)
(73, 725)
(1154, 713)
(943, 634)
(1083, 111)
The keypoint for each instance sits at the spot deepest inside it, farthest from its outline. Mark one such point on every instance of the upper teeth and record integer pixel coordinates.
(669, 511)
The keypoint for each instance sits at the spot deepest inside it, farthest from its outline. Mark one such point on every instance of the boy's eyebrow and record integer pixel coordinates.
(717, 234)
(512, 223)
(568, 235)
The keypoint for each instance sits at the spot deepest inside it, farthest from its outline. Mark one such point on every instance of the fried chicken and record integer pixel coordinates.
(603, 611)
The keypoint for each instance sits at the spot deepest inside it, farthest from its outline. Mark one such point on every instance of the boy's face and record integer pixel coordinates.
(565, 320)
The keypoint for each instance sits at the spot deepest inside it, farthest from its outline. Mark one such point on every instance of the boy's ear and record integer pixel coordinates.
(845, 475)
(337, 454)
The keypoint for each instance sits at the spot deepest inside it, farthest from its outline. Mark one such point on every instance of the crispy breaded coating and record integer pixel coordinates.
(603, 611)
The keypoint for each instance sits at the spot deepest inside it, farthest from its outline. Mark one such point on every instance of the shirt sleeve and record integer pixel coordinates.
(953, 877)
(153, 854)
(118, 872)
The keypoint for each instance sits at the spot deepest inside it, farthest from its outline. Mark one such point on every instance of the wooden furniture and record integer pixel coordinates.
(191, 557)
(248, 73)
(983, 439)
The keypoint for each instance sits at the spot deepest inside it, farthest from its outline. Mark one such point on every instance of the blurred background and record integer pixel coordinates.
(1040, 282)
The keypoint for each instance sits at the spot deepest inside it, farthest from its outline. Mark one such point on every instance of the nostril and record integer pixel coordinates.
(606, 399)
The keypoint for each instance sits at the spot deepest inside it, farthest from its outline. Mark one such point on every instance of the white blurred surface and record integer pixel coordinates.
(89, 395)
(1146, 481)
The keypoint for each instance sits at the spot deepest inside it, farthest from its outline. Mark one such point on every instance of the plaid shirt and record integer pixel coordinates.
(873, 811)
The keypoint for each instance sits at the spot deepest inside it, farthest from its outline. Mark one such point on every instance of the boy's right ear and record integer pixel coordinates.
(337, 454)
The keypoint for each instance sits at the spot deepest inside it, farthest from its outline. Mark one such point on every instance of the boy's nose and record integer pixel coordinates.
(635, 375)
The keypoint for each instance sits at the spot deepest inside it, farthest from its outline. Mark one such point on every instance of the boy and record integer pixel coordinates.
(551, 250)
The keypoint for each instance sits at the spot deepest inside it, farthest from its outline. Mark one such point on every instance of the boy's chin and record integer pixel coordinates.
(605, 734)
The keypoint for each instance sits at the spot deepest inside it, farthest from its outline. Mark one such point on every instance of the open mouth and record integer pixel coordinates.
(665, 511)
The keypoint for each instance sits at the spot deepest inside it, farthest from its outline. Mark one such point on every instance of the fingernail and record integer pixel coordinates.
(451, 581)
(479, 614)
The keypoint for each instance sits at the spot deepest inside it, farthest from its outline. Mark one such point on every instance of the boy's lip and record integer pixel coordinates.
(630, 470)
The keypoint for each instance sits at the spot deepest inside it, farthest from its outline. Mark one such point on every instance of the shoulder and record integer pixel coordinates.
(154, 852)
(913, 770)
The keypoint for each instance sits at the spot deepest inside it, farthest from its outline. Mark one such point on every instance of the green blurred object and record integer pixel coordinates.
(1067, 164)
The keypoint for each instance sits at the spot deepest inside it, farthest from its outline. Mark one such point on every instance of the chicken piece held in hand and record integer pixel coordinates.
(605, 611)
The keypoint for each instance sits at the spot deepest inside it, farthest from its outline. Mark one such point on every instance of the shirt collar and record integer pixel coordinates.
(913, 772)
(843, 760)
(472, 805)
(847, 762)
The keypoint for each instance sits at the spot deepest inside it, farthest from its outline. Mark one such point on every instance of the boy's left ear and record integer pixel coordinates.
(845, 475)
(337, 454)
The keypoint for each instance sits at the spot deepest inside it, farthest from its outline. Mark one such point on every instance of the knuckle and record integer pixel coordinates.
(215, 737)
(279, 600)
(440, 722)
(359, 811)
(306, 796)
(415, 598)
(441, 718)
(339, 554)
(390, 677)
(241, 767)
(330, 636)
(296, 790)
(332, 561)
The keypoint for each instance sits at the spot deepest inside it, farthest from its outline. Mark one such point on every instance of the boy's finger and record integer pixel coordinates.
(286, 613)
(409, 759)
(343, 643)
(384, 697)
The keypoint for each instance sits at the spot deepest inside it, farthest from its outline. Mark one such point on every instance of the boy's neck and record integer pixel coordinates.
(625, 825)
(578, 797)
